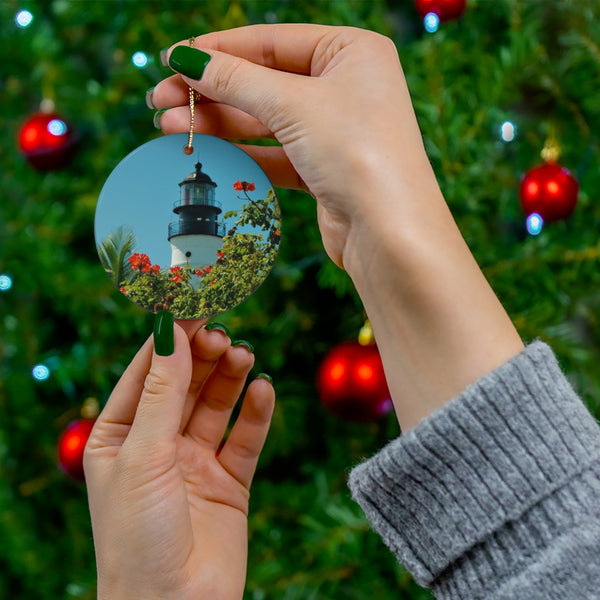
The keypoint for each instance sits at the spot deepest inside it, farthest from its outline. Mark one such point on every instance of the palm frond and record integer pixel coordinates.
(114, 251)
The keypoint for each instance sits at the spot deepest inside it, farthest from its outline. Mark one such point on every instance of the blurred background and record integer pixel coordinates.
(493, 85)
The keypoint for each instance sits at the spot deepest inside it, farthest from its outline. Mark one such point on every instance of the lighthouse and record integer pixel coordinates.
(197, 235)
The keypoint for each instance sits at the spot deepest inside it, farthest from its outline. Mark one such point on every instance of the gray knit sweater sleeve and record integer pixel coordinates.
(497, 494)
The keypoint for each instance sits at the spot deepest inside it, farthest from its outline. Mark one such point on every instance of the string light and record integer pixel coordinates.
(40, 372)
(534, 224)
(139, 59)
(23, 19)
(508, 131)
(5, 283)
(431, 22)
(57, 127)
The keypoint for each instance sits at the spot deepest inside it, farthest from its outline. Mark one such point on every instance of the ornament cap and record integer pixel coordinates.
(365, 335)
(551, 151)
(90, 408)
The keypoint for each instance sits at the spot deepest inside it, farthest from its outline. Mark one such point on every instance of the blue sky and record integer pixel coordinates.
(141, 190)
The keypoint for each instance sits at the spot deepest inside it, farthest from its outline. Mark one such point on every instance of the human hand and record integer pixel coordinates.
(169, 514)
(337, 101)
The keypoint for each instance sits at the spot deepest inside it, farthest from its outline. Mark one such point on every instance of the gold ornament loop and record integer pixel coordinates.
(194, 97)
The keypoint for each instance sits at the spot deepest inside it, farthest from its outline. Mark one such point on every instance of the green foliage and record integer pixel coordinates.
(242, 264)
(113, 253)
(535, 63)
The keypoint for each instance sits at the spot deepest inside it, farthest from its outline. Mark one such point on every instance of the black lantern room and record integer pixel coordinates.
(197, 208)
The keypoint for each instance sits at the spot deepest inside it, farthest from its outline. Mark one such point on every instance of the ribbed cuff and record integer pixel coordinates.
(478, 485)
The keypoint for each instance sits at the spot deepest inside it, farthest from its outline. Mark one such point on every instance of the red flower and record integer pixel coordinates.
(155, 269)
(176, 274)
(199, 272)
(140, 262)
(244, 186)
(220, 254)
(122, 289)
(207, 270)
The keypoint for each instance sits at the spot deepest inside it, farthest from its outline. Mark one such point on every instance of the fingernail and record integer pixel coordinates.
(164, 341)
(265, 376)
(157, 115)
(163, 57)
(149, 102)
(245, 344)
(219, 327)
(189, 61)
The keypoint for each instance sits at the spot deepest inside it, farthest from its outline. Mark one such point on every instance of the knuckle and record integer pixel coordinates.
(155, 387)
(226, 78)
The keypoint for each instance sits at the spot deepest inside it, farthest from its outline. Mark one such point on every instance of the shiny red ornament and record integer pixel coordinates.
(550, 191)
(46, 141)
(446, 10)
(71, 446)
(352, 384)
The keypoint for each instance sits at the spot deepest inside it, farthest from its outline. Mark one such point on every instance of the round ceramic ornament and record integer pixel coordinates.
(194, 233)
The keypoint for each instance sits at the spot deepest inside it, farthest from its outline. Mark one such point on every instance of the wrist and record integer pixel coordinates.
(437, 322)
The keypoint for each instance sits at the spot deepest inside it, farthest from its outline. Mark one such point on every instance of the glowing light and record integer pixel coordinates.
(534, 224)
(508, 131)
(365, 372)
(552, 187)
(5, 283)
(40, 372)
(532, 189)
(139, 59)
(337, 371)
(23, 18)
(431, 22)
(57, 127)
(74, 442)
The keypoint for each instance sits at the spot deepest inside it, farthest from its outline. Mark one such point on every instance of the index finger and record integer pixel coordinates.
(286, 47)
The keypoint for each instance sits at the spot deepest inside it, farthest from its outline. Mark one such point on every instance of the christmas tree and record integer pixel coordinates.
(492, 88)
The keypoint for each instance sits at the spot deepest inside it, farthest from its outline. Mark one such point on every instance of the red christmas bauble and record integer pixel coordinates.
(352, 384)
(444, 9)
(71, 445)
(46, 141)
(550, 191)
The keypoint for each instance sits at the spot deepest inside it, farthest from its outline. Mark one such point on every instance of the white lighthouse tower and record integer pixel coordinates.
(197, 235)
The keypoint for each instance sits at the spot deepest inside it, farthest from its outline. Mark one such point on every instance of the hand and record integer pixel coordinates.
(169, 513)
(337, 101)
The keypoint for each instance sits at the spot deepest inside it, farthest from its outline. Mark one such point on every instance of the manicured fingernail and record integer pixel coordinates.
(265, 376)
(217, 326)
(189, 61)
(244, 343)
(164, 341)
(163, 57)
(149, 102)
(157, 115)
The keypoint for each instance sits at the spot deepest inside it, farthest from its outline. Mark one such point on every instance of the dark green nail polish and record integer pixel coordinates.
(244, 343)
(164, 341)
(157, 116)
(265, 376)
(219, 327)
(189, 61)
(149, 102)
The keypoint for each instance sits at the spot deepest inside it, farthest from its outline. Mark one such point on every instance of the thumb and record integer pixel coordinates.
(257, 90)
(159, 412)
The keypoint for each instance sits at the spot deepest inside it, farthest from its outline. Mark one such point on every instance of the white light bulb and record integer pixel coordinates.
(23, 18)
(139, 59)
